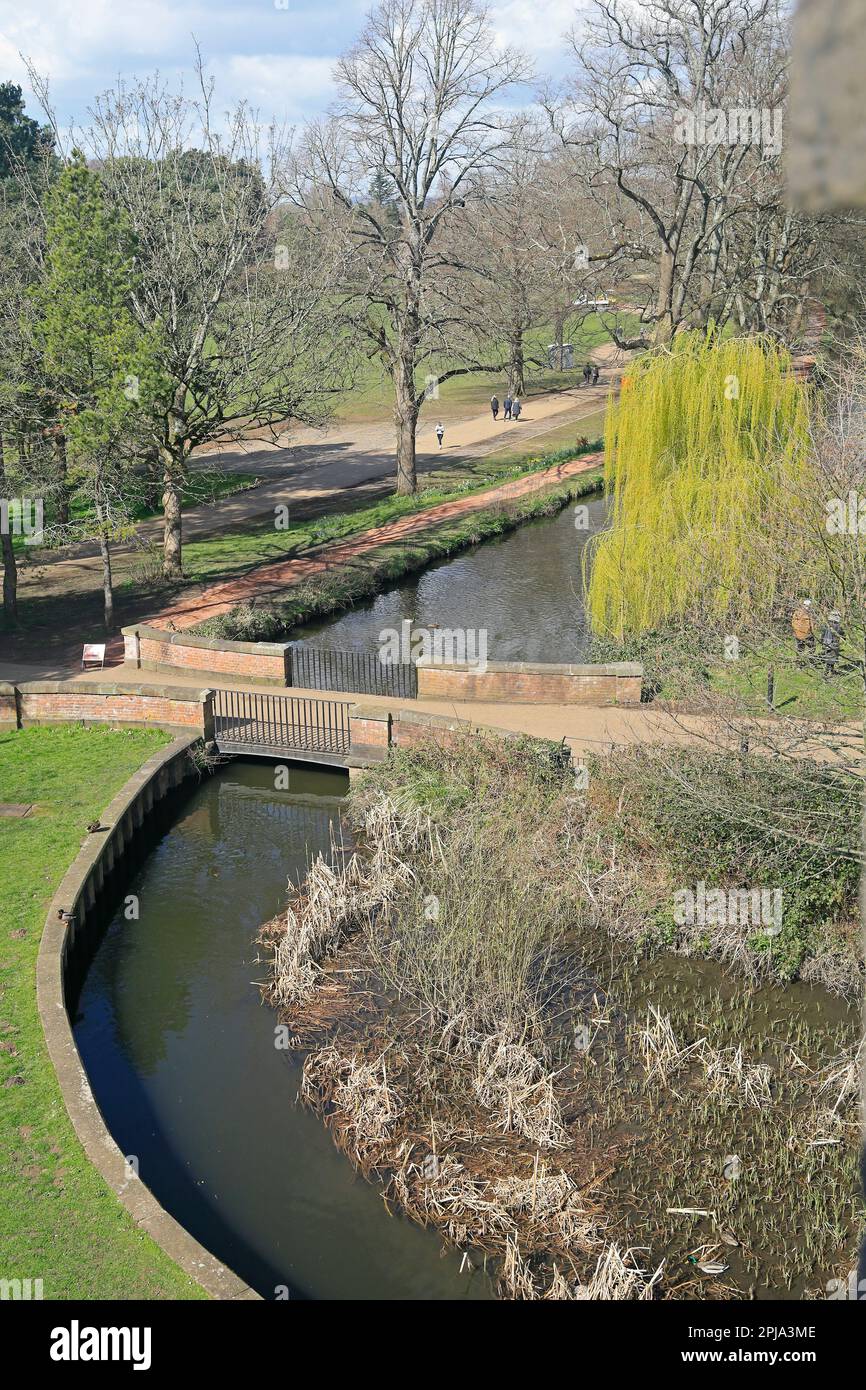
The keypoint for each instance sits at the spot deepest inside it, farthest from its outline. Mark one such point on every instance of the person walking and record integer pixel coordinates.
(516, 408)
(831, 639)
(595, 376)
(440, 433)
(587, 373)
(506, 406)
(803, 628)
(494, 406)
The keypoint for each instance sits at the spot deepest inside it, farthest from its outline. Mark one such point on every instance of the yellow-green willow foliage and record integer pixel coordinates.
(704, 451)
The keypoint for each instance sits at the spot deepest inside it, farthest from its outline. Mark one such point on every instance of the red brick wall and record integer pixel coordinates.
(51, 702)
(524, 684)
(158, 650)
(369, 731)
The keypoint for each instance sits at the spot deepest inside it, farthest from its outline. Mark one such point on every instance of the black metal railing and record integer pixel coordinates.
(279, 723)
(323, 668)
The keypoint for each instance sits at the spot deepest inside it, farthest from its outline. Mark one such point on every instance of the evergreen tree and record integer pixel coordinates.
(101, 367)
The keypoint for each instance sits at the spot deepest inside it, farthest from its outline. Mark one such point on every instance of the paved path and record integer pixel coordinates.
(275, 578)
(585, 728)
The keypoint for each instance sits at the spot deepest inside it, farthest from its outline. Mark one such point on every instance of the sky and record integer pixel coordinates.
(279, 54)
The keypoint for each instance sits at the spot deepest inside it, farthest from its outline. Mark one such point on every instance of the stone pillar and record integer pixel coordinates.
(369, 732)
(132, 647)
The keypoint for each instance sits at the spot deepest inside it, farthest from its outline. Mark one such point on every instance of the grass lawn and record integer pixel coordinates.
(464, 396)
(59, 1222)
(800, 691)
(201, 487)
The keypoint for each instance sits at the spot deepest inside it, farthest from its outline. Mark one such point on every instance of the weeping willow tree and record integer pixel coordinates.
(705, 450)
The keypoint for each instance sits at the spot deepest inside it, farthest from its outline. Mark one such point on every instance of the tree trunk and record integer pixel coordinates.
(173, 458)
(107, 588)
(516, 365)
(63, 488)
(10, 565)
(172, 544)
(664, 325)
(406, 420)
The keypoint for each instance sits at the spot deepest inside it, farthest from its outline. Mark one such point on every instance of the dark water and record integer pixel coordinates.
(525, 590)
(181, 1057)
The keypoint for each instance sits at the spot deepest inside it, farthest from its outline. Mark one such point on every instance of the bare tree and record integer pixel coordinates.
(417, 114)
(237, 291)
(676, 126)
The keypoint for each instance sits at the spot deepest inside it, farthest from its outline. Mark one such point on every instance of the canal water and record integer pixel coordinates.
(525, 589)
(181, 1056)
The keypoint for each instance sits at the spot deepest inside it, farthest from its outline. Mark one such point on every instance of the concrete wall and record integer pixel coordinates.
(527, 683)
(65, 949)
(100, 702)
(156, 649)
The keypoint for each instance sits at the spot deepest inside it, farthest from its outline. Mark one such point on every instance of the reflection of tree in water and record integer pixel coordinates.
(223, 869)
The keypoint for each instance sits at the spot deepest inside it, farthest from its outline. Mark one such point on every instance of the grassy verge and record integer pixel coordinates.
(501, 1041)
(58, 1220)
(345, 585)
(201, 488)
(687, 664)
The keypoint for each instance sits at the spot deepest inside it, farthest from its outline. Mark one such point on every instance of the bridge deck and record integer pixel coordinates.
(270, 725)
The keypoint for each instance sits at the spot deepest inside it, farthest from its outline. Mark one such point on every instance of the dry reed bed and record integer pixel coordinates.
(435, 974)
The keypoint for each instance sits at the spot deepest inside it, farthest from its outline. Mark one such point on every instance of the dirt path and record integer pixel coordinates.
(191, 609)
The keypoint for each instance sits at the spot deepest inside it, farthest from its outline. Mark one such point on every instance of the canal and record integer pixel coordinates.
(525, 590)
(182, 1059)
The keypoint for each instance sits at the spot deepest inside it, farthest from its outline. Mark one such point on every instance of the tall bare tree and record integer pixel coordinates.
(417, 114)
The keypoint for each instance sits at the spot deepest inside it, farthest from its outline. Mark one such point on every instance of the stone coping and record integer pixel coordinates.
(76, 687)
(187, 639)
(90, 1127)
(541, 668)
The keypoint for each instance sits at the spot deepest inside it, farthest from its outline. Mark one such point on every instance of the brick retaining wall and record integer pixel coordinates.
(98, 702)
(156, 649)
(528, 683)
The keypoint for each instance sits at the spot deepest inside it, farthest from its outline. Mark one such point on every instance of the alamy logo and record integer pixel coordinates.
(77, 1343)
(16, 1289)
(846, 516)
(760, 908)
(737, 125)
(438, 646)
(22, 516)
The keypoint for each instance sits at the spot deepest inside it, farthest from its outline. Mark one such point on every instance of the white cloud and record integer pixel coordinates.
(280, 58)
(287, 86)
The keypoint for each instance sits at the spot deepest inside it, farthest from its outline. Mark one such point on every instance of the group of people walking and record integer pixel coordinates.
(511, 407)
(803, 628)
